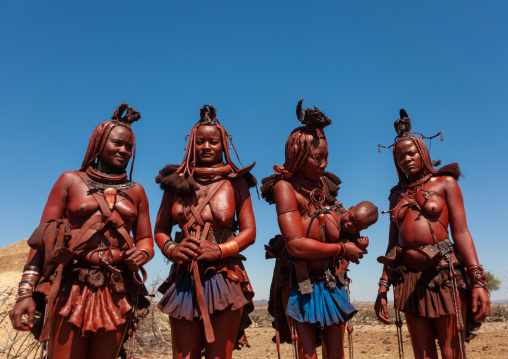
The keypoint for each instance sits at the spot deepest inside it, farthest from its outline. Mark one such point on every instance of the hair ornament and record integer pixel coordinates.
(208, 115)
(282, 171)
(403, 128)
(130, 116)
(312, 118)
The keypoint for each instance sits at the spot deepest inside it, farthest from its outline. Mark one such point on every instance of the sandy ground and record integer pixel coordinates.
(371, 339)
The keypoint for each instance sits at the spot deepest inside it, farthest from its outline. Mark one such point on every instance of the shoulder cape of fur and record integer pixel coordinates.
(171, 181)
(331, 181)
(451, 170)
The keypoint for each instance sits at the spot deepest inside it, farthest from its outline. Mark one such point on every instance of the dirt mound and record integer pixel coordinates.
(12, 260)
(13, 256)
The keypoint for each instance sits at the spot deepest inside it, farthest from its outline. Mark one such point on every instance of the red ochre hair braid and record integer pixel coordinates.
(189, 159)
(98, 140)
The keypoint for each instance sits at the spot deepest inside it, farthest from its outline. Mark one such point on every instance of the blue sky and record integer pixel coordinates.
(65, 66)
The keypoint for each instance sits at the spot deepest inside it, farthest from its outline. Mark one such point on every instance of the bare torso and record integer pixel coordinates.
(421, 220)
(81, 205)
(312, 228)
(219, 211)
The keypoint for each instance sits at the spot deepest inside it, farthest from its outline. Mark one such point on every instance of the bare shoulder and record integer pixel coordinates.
(284, 193)
(138, 190)
(69, 178)
(283, 187)
(445, 182)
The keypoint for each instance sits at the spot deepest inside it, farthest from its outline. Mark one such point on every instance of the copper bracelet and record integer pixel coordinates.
(476, 276)
(148, 249)
(29, 279)
(167, 249)
(342, 250)
(229, 249)
(383, 281)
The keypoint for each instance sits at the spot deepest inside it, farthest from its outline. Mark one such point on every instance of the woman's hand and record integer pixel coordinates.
(135, 258)
(24, 306)
(381, 307)
(209, 251)
(187, 250)
(480, 303)
(353, 253)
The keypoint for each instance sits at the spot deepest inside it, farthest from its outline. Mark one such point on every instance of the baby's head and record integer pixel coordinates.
(359, 217)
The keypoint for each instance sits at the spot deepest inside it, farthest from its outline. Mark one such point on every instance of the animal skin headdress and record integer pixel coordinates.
(101, 133)
(403, 128)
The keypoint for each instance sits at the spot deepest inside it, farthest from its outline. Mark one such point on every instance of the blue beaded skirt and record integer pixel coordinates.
(323, 307)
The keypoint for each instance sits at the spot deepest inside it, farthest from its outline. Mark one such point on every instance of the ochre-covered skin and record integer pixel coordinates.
(303, 240)
(70, 198)
(440, 199)
(188, 336)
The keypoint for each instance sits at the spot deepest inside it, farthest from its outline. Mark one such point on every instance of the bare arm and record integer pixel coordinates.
(381, 305)
(188, 249)
(464, 243)
(56, 207)
(245, 215)
(142, 233)
(291, 227)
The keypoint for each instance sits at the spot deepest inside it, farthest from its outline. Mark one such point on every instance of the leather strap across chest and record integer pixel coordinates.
(195, 210)
(100, 221)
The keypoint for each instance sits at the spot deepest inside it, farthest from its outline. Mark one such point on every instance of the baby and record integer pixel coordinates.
(356, 219)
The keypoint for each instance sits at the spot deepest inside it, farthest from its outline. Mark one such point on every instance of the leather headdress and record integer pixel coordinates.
(403, 128)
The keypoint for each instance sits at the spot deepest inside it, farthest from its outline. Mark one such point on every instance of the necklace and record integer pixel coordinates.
(413, 188)
(102, 186)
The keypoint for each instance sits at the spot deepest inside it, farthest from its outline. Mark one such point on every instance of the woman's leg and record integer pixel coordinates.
(66, 341)
(306, 333)
(225, 329)
(306, 340)
(107, 345)
(332, 339)
(187, 338)
(447, 333)
(423, 337)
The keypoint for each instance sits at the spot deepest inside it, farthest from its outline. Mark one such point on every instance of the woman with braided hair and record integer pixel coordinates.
(304, 196)
(83, 262)
(207, 295)
(439, 300)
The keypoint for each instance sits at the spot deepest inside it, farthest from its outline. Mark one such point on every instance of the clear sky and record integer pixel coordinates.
(66, 65)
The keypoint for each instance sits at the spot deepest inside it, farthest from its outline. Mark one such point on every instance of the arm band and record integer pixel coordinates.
(148, 249)
(229, 249)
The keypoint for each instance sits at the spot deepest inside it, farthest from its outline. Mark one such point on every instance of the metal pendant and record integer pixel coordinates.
(110, 197)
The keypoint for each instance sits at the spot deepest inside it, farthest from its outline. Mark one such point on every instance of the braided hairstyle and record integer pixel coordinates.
(403, 129)
(101, 133)
(207, 118)
(298, 148)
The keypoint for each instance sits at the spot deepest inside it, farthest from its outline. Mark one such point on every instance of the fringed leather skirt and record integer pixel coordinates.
(225, 284)
(96, 300)
(426, 291)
